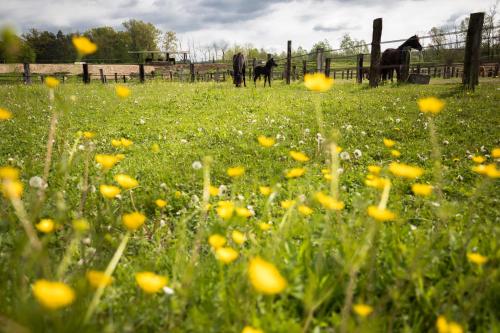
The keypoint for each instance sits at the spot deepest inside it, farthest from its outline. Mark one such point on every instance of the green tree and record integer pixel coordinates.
(352, 46)
(143, 36)
(112, 46)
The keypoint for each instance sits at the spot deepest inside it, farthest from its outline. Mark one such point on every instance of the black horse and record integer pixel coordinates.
(239, 70)
(392, 58)
(264, 70)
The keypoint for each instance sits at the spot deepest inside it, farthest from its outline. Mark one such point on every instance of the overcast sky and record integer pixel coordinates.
(264, 23)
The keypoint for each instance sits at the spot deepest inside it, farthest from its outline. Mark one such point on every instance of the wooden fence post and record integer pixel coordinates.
(288, 61)
(319, 59)
(116, 77)
(142, 76)
(124, 79)
(304, 68)
(327, 66)
(375, 53)
(359, 72)
(27, 73)
(86, 77)
(191, 70)
(472, 50)
(294, 72)
(101, 73)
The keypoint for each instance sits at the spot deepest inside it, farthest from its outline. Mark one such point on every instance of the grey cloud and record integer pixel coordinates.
(335, 28)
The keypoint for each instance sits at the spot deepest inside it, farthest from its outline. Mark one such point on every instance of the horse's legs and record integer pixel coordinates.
(265, 79)
(398, 74)
(269, 80)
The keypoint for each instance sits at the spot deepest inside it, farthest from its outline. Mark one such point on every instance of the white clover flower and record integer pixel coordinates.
(357, 153)
(168, 291)
(222, 190)
(184, 141)
(142, 121)
(345, 156)
(196, 165)
(37, 182)
(340, 171)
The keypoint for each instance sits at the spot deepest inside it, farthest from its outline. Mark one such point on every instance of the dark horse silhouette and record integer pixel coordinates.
(264, 70)
(392, 58)
(239, 70)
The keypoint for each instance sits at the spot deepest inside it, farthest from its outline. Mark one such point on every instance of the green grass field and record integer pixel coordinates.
(410, 270)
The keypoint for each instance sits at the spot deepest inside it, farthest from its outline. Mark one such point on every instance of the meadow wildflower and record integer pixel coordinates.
(51, 82)
(81, 225)
(305, 210)
(106, 161)
(265, 141)
(45, 225)
(265, 277)
(381, 214)
(295, 173)
(299, 156)
(265, 190)
(5, 114)
(53, 295)
(150, 282)
(109, 191)
(214, 191)
(243, 212)
(226, 254)
(238, 237)
(216, 241)
(264, 226)
(126, 142)
(126, 181)
(12, 189)
(395, 153)
(250, 329)
(133, 221)
(160, 203)
(374, 169)
(225, 209)
(328, 202)
(318, 82)
(495, 152)
(98, 278)
(444, 326)
(423, 190)
(88, 135)
(83, 45)
(155, 148)
(430, 105)
(389, 143)
(235, 171)
(8, 172)
(116, 143)
(477, 258)
(287, 203)
(489, 170)
(362, 310)
(405, 171)
(376, 182)
(122, 91)
(478, 159)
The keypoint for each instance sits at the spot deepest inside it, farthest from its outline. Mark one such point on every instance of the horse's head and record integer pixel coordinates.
(272, 63)
(414, 42)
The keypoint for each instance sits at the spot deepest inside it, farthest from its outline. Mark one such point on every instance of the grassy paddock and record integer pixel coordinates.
(410, 270)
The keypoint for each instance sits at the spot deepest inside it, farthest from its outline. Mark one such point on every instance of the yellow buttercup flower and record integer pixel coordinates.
(265, 190)
(5, 114)
(389, 143)
(318, 82)
(12, 189)
(250, 329)
(478, 159)
(406, 171)
(376, 182)
(88, 135)
(214, 191)
(160, 203)
(495, 152)
(362, 310)
(444, 326)
(235, 171)
(225, 209)
(264, 226)
(109, 191)
(489, 170)
(53, 295)
(226, 254)
(477, 259)
(265, 141)
(238, 237)
(178, 194)
(150, 282)
(395, 153)
(295, 173)
(265, 278)
(329, 202)
(81, 225)
(155, 148)
(116, 143)
(133, 221)
(287, 203)
(98, 278)
(51, 82)
(328, 176)
(216, 241)
(122, 91)
(430, 105)
(106, 161)
(305, 210)
(83, 45)
(126, 142)
(423, 190)
(45, 225)
(243, 212)
(299, 156)
(374, 169)
(8, 172)
(380, 214)
(126, 181)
